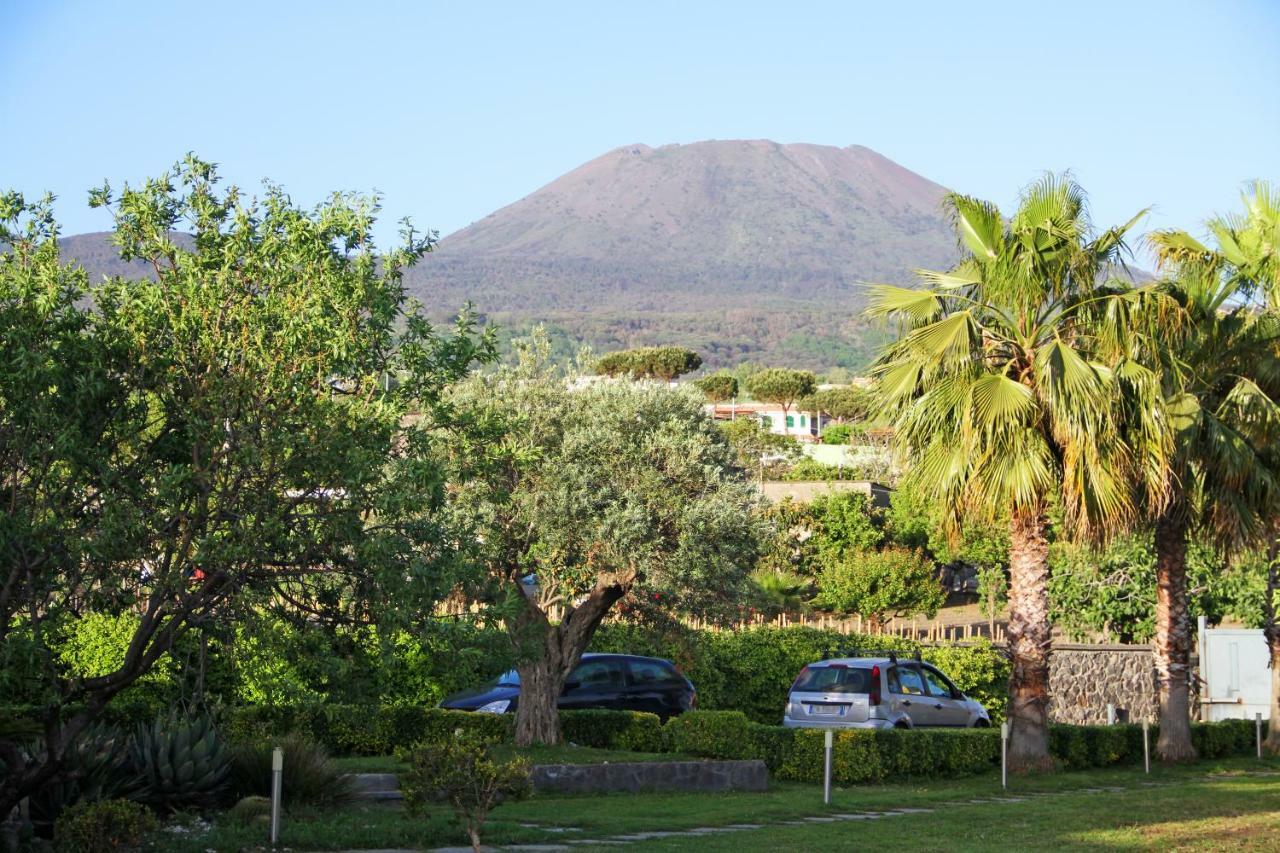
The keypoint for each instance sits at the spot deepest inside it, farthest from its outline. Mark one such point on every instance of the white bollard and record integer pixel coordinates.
(827, 747)
(277, 774)
(1257, 726)
(1004, 754)
(1111, 714)
(1146, 748)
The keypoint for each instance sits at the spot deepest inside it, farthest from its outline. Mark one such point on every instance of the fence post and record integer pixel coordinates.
(277, 771)
(1146, 747)
(1257, 730)
(827, 747)
(1004, 755)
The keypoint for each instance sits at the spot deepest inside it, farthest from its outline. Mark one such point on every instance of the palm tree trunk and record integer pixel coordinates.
(1173, 636)
(1272, 633)
(1030, 637)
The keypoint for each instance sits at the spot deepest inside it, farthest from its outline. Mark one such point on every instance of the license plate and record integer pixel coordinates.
(826, 710)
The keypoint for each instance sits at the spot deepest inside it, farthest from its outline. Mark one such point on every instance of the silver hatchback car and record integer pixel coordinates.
(878, 693)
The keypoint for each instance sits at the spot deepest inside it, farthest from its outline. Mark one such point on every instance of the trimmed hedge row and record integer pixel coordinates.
(860, 755)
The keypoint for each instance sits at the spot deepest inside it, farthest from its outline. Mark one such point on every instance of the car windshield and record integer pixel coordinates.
(510, 678)
(833, 679)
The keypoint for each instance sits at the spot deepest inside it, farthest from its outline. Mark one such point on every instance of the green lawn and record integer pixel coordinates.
(1231, 804)
(564, 754)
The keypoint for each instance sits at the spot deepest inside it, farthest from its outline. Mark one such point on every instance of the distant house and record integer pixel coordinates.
(804, 426)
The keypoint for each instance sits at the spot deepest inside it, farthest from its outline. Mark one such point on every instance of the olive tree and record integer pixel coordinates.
(217, 436)
(580, 498)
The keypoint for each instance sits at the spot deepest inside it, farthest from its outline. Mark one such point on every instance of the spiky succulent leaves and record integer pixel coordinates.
(181, 763)
(98, 769)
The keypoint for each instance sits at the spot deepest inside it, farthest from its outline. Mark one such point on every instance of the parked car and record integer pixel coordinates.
(878, 693)
(620, 682)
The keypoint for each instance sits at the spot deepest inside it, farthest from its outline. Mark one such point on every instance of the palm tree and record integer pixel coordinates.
(1001, 403)
(1221, 382)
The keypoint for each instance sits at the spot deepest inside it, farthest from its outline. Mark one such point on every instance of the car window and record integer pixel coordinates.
(906, 681)
(598, 673)
(650, 672)
(938, 685)
(833, 679)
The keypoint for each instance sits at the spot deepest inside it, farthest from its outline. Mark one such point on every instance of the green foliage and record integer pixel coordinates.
(308, 778)
(98, 768)
(757, 449)
(665, 363)
(780, 385)
(843, 404)
(461, 772)
(880, 584)
(845, 521)
(359, 729)
(104, 826)
(605, 729)
(711, 734)
(837, 434)
(780, 591)
(233, 416)
(718, 387)
(1113, 592)
(180, 762)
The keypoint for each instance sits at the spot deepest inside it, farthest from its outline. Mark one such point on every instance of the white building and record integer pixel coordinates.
(803, 426)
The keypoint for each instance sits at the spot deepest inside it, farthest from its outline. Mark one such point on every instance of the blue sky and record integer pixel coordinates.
(453, 110)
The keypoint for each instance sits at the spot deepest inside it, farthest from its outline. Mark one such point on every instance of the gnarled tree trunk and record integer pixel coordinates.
(560, 648)
(1173, 636)
(1030, 637)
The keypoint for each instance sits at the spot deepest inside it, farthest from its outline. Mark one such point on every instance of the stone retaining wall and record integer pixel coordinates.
(1085, 678)
(652, 776)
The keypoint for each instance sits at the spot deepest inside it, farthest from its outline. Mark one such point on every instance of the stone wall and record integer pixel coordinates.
(1085, 678)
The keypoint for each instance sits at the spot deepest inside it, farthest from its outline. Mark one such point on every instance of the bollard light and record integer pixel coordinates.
(828, 744)
(277, 774)
(1146, 747)
(1257, 728)
(1004, 754)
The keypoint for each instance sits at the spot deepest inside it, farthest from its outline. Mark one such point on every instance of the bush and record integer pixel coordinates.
(711, 734)
(308, 777)
(103, 827)
(869, 755)
(604, 729)
(461, 772)
(360, 729)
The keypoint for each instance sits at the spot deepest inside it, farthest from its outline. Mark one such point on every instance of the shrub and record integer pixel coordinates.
(710, 734)
(103, 827)
(308, 777)
(871, 755)
(461, 772)
(606, 729)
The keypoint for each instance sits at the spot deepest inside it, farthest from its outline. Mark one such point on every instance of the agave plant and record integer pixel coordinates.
(180, 762)
(97, 769)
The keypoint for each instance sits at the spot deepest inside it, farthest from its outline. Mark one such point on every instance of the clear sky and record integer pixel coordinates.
(453, 110)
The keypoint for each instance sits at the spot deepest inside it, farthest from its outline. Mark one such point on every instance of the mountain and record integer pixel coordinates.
(740, 249)
(743, 250)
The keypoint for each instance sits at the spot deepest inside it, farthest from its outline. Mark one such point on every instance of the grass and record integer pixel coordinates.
(1231, 804)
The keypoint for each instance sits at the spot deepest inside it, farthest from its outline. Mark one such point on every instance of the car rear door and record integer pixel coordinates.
(946, 709)
(831, 694)
(595, 683)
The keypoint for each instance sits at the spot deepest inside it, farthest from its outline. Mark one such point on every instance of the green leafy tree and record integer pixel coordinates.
(579, 499)
(665, 363)
(217, 437)
(843, 404)
(892, 582)
(1112, 591)
(756, 448)
(780, 385)
(1220, 380)
(1000, 400)
(718, 387)
(845, 521)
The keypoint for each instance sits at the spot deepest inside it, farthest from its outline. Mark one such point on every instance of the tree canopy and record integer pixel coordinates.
(219, 435)
(665, 363)
(780, 385)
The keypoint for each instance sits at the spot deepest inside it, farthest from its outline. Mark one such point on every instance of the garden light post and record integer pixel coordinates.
(827, 746)
(1146, 747)
(1004, 754)
(1257, 731)
(277, 772)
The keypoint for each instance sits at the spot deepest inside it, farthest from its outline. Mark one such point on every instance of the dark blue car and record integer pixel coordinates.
(619, 682)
